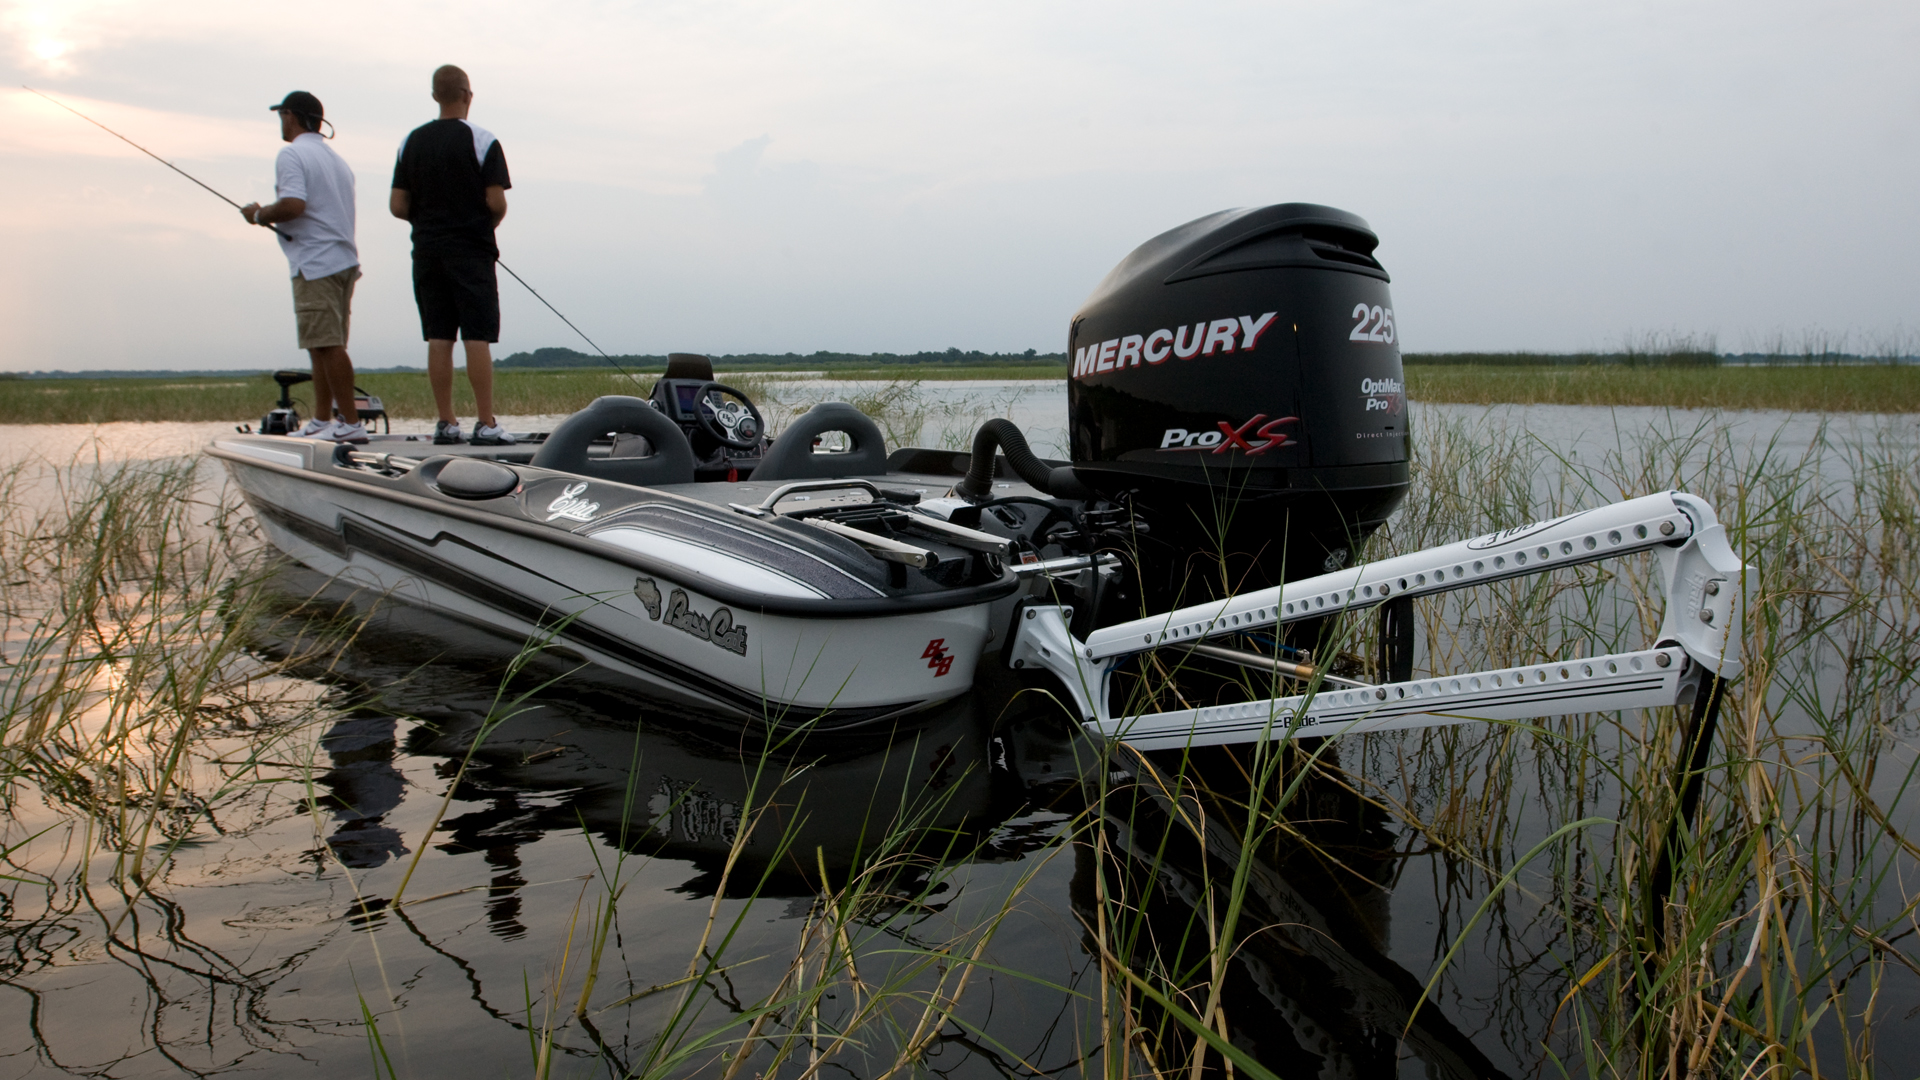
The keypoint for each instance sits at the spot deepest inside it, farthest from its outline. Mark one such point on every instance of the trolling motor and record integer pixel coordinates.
(284, 418)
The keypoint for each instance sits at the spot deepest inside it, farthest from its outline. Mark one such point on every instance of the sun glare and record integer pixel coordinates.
(50, 49)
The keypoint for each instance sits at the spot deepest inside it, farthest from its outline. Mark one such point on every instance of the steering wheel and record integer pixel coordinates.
(734, 424)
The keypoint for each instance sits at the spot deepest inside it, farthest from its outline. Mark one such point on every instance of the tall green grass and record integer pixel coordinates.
(1468, 379)
(1805, 389)
(129, 704)
(242, 399)
(134, 708)
(1787, 914)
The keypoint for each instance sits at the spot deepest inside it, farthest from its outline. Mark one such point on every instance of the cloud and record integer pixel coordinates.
(740, 175)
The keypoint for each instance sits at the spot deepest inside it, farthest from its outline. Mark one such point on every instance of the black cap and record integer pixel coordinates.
(302, 103)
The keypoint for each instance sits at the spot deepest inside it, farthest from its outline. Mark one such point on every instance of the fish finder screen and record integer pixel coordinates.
(688, 396)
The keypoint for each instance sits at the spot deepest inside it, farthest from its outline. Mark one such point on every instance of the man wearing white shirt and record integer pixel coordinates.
(313, 216)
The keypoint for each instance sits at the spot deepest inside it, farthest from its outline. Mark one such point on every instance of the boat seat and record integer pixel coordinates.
(792, 456)
(566, 448)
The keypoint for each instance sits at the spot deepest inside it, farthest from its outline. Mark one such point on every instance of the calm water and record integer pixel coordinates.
(258, 945)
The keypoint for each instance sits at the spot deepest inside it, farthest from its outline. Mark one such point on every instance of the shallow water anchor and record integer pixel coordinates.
(1706, 584)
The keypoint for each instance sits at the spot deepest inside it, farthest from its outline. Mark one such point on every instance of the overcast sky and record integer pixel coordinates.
(896, 176)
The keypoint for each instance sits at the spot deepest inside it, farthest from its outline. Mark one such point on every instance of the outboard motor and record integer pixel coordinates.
(1237, 384)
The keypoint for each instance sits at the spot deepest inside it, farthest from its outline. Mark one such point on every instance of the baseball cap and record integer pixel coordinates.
(300, 102)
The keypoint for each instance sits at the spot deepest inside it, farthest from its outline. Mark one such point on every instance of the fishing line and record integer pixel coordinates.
(144, 150)
(564, 319)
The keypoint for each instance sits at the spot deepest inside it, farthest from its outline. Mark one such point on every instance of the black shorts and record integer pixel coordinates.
(459, 296)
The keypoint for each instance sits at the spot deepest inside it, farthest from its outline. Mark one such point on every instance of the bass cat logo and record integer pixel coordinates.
(649, 595)
(718, 627)
(571, 506)
(1233, 438)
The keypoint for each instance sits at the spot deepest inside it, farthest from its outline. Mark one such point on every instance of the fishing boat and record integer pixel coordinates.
(1236, 393)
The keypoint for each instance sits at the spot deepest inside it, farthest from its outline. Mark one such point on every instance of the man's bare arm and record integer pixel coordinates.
(497, 203)
(400, 203)
(279, 210)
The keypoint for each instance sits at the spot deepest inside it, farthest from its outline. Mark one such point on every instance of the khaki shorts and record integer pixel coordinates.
(322, 308)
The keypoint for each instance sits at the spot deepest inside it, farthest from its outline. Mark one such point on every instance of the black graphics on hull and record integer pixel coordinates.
(417, 557)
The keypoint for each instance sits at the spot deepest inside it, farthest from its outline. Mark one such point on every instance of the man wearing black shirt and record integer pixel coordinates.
(451, 183)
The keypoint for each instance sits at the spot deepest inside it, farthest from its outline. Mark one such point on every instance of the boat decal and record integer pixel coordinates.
(1518, 532)
(649, 595)
(718, 628)
(636, 515)
(382, 490)
(572, 505)
(418, 557)
(937, 657)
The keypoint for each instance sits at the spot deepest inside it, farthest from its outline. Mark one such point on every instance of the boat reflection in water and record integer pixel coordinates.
(1311, 989)
(672, 783)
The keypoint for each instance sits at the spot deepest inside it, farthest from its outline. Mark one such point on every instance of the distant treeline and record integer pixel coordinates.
(1638, 359)
(559, 358)
(556, 357)
(192, 373)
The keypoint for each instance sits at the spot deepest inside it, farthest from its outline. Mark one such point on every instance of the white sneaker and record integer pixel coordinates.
(491, 435)
(315, 429)
(345, 432)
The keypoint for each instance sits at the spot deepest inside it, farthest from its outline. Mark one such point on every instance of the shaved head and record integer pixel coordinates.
(449, 83)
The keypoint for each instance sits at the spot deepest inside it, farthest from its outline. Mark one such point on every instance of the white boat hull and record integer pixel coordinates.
(664, 631)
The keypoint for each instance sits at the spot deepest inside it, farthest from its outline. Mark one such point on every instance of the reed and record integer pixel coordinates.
(1774, 947)
(242, 399)
(1877, 388)
(138, 719)
(1467, 379)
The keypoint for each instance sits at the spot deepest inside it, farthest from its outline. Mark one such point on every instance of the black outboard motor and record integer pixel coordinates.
(1237, 383)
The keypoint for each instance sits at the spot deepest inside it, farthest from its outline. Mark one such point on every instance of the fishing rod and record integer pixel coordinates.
(143, 150)
(277, 232)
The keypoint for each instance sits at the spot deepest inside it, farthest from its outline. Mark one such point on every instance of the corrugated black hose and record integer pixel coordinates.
(1004, 435)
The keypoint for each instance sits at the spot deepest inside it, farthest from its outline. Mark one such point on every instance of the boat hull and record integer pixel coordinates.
(665, 631)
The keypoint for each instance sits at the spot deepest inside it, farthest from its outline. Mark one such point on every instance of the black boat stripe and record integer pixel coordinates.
(733, 596)
(407, 554)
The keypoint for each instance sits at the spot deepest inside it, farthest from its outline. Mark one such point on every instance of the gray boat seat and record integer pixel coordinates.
(792, 455)
(566, 448)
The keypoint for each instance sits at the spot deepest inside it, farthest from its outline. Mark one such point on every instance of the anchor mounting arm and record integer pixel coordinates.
(1707, 587)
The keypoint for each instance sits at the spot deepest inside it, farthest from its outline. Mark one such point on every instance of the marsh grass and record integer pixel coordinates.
(241, 399)
(125, 583)
(874, 976)
(1809, 387)
(908, 412)
(1875, 388)
(1786, 946)
(1789, 919)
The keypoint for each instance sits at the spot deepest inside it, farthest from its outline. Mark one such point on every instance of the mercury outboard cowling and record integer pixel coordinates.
(1238, 381)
